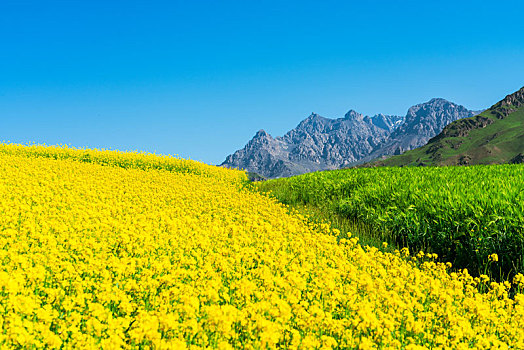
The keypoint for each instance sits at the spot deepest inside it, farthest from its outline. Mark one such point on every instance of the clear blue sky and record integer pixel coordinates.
(199, 78)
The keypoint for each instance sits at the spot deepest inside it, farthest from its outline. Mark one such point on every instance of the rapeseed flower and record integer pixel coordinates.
(105, 249)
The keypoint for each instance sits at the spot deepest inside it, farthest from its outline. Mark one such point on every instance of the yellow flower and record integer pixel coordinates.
(494, 257)
(106, 249)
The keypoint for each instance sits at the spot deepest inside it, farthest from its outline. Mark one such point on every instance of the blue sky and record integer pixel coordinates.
(199, 78)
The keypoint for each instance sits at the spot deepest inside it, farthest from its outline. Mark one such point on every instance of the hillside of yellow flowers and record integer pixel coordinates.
(106, 249)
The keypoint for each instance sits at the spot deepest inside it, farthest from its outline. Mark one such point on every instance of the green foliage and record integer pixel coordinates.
(463, 214)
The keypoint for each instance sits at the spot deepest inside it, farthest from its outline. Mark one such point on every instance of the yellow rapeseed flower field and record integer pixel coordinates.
(105, 249)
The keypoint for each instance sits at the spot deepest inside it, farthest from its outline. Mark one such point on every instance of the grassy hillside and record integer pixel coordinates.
(120, 250)
(496, 136)
(464, 214)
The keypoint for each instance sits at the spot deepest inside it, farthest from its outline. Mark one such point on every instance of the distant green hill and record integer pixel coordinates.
(495, 136)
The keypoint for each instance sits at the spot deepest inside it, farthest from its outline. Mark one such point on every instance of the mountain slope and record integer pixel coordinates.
(319, 143)
(422, 122)
(493, 137)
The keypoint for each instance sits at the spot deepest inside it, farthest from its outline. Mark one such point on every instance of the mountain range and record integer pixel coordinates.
(494, 136)
(319, 143)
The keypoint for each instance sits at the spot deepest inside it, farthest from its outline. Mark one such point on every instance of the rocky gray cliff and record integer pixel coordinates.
(319, 143)
(422, 122)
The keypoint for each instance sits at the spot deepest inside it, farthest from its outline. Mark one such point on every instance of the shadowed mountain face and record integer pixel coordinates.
(493, 137)
(319, 143)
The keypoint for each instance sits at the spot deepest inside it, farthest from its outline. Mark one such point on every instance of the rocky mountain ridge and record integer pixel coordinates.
(319, 143)
(423, 121)
(495, 136)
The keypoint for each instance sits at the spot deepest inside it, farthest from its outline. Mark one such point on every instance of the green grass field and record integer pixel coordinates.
(464, 214)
